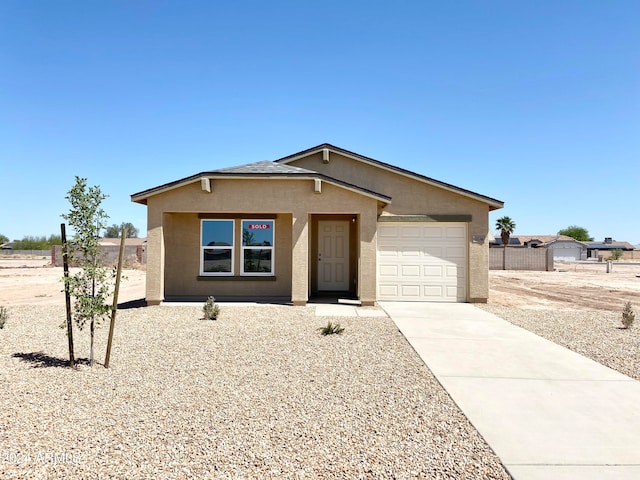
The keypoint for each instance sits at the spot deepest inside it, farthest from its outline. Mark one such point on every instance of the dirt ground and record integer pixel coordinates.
(573, 286)
(33, 282)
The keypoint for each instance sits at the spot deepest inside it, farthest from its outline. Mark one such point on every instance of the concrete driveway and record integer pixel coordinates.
(546, 411)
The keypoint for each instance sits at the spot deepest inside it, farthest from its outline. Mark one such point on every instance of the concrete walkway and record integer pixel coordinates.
(547, 412)
(341, 310)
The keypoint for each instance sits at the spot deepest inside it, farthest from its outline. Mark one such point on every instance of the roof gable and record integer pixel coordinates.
(494, 204)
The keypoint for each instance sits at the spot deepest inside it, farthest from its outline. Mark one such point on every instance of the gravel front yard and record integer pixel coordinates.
(596, 334)
(257, 394)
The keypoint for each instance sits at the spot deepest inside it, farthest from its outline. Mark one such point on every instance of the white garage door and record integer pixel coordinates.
(566, 254)
(422, 262)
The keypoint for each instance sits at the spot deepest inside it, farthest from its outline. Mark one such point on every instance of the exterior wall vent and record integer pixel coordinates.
(205, 185)
(325, 155)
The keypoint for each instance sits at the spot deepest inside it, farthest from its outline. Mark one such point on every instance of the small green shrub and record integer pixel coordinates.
(628, 315)
(211, 309)
(331, 329)
(3, 316)
(616, 254)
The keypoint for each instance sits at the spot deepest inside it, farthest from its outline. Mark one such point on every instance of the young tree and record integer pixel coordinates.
(577, 233)
(114, 230)
(505, 226)
(3, 239)
(92, 285)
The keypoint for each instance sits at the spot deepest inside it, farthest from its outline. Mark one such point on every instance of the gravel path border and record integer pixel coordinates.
(257, 394)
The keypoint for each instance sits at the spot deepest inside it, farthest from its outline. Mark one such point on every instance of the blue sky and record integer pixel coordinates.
(536, 103)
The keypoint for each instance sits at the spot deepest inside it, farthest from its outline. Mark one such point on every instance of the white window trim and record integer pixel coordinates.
(231, 248)
(273, 251)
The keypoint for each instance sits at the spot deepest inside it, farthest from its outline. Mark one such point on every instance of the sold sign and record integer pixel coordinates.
(259, 226)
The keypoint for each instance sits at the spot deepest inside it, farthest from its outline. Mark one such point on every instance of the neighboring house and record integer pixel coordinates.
(564, 248)
(324, 221)
(6, 246)
(513, 242)
(603, 249)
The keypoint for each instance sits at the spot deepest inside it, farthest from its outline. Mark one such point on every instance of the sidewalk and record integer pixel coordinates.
(547, 412)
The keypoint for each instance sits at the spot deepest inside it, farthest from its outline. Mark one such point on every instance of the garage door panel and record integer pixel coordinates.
(455, 232)
(418, 262)
(451, 271)
(432, 232)
(455, 252)
(388, 290)
(433, 251)
(387, 231)
(433, 292)
(410, 291)
(412, 231)
(433, 271)
(410, 270)
(388, 270)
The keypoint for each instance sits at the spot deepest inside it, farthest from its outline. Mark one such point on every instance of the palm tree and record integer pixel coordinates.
(506, 226)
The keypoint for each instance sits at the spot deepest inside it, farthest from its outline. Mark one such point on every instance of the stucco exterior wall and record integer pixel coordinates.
(174, 235)
(414, 197)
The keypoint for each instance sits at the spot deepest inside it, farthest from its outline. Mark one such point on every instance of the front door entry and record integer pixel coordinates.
(333, 255)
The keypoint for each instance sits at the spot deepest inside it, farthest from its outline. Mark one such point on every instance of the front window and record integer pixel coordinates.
(216, 246)
(257, 247)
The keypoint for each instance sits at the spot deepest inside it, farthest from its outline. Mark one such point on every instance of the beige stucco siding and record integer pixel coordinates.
(174, 230)
(154, 293)
(414, 197)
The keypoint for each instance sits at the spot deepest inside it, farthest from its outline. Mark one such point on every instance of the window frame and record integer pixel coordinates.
(231, 248)
(271, 247)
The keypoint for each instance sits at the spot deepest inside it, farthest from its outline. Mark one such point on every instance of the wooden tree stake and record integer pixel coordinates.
(67, 293)
(114, 308)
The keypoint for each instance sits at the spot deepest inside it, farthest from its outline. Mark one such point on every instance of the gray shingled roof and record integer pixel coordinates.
(265, 167)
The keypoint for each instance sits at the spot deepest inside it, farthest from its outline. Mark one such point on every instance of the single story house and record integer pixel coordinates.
(603, 249)
(565, 249)
(324, 221)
